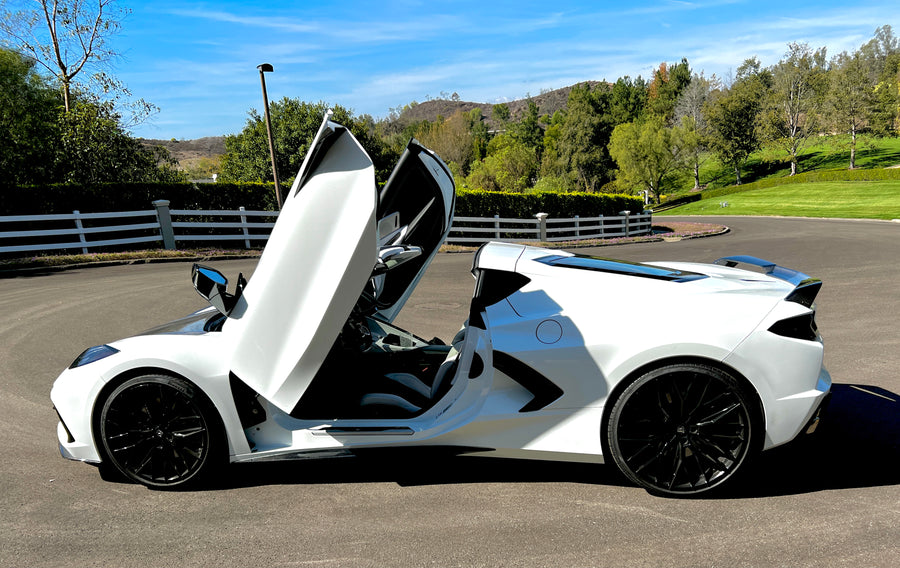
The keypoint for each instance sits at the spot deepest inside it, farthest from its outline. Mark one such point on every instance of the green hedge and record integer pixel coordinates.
(479, 203)
(60, 198)
(65, 198)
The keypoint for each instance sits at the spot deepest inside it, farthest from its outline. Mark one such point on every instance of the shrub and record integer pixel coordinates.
(65, 198)
(479, 203)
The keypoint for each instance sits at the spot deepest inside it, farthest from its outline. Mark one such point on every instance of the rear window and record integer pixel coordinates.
(620, 267)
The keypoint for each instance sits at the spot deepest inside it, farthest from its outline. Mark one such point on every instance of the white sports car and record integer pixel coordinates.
(554, 362)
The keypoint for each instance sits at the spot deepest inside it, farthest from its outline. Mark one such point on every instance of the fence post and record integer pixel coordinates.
(626, 213)
(165, 223)
(244, 226)
(542, 226)
(80, 228)
(577, 227)
(497, 227)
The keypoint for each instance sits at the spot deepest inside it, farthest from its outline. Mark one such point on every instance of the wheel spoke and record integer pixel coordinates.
(681, 431)
(155, 432)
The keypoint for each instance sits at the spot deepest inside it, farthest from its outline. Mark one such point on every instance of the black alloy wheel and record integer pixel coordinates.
(159, 431)
(682, 429)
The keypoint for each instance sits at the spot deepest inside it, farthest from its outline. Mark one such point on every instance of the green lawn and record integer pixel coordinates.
(859, 199)
(829, 153)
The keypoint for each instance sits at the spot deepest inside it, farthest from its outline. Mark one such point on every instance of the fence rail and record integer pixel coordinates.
(544, 229)
(169, 227)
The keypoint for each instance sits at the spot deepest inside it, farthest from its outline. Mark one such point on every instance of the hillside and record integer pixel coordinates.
(547, 103)
(188, 151)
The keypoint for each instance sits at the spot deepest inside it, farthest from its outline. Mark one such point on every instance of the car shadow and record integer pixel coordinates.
(415, 467)
(856, 445)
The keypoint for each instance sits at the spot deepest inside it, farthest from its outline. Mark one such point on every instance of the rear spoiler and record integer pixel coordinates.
(805, 287)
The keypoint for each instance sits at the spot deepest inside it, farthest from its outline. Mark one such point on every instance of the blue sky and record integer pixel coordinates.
(197, 60)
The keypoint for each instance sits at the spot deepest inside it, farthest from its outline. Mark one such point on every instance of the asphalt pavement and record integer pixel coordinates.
(828, 501)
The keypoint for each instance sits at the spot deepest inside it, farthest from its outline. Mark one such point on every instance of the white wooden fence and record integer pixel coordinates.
(543, 229)
(169, 227)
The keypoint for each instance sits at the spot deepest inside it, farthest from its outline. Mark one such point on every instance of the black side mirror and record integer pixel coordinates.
(211, 284)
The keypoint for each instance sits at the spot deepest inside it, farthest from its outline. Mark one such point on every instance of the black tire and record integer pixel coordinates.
(159, 431)
(682, 429)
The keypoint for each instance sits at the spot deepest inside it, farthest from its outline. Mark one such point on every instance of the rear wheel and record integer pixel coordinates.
(682, 429)
(159, 431)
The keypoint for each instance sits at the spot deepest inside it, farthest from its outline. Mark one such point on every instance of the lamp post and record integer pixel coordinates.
(267, 68)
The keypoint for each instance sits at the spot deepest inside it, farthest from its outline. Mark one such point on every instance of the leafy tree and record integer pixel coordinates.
(666, 86)
(41, 143)
(732, 116)
(850, 101)
(791, 115)
(452, 140)
(887, 98)
(294, 125)
(876, 51)
(28, 108)
(95, 149)
(648, 153)
(510, 166)
(528, 131)
(480, 135)
(628, 99)
(584, 137)
(552, 164)
(500, 114)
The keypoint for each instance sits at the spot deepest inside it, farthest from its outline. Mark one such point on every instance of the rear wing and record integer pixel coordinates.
(805, 287)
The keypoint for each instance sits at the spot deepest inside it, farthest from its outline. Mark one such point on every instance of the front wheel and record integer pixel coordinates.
(159, 431)
(682, 429)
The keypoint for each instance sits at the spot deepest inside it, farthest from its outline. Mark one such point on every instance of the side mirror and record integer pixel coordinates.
(210, 284)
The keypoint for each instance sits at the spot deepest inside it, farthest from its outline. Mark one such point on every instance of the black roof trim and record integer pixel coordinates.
(621, 267)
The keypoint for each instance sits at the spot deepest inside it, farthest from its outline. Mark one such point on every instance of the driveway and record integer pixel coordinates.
(828, 501)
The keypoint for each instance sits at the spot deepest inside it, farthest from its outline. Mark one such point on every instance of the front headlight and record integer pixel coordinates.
(92, 354)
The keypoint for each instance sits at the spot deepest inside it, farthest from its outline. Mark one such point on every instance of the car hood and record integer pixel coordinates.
(325, 256)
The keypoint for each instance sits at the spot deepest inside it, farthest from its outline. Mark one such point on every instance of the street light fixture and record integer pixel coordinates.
(267, 68)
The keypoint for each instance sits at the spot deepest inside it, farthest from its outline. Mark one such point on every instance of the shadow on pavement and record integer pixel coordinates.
(857, 445)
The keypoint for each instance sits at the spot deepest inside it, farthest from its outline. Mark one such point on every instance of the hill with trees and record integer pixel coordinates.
(675, 132)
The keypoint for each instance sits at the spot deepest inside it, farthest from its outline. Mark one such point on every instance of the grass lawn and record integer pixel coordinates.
(828, 153)
(860, 200)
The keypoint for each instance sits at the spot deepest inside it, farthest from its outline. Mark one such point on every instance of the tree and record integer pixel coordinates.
(528, 131)
(294, 125)
(648, 153)
(67, 37)
(666, 86)
(40, 143)
(27, 122)
(851, 99)
(500, 115)
(876, 51)
(583, 141)
(689, 115)
(510, 166)
(791, 115)
(452, 140)
(552, 165)
(732, 116)
(628, 99)
(95, 149)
